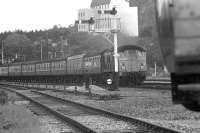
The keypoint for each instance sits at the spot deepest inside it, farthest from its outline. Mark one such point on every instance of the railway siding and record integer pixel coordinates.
(144, 126)
(117, 115)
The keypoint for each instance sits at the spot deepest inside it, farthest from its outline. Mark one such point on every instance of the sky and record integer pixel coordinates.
(40, 14)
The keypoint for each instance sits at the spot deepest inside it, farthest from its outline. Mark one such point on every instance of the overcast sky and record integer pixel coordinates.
(41, 14)
(38, 14)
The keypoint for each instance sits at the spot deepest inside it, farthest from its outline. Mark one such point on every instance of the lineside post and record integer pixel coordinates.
(2, 51)
(115, 30)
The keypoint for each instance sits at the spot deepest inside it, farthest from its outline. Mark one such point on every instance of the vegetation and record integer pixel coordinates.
(15, 118)
(26, 46)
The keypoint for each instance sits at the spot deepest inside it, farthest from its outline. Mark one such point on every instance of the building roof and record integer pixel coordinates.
(125, 47)
(128, 47)
(99, 2)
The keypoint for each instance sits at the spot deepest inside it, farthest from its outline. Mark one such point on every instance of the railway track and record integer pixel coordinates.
(147, 84)
(50, 122)
(156, 84)
(93, 119)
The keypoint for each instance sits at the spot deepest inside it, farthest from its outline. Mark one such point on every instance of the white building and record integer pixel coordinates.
(99, 10)
(83, 16)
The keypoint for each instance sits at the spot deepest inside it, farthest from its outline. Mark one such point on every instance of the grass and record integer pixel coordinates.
(17, 119)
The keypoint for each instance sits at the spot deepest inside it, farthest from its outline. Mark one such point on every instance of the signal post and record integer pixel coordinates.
(115, 30)
(94, 24)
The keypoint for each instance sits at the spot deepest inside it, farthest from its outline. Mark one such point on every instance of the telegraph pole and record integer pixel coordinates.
(41, 51)
(115, 31)
(2, 51)
(113, 28)
(62, 47)
(47, 46)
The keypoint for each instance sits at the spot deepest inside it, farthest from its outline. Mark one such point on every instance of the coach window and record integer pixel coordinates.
(52, 65)
(60, 65)
(39, 66)
(139, 53)
(56, 65)
(63, 64)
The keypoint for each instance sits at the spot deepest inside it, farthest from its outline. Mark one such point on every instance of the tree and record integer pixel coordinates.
(18, 45)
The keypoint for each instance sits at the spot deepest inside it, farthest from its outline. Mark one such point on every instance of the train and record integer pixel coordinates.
(99, 67)
(179, 33)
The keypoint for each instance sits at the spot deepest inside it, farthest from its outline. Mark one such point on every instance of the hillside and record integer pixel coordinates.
(26, 46)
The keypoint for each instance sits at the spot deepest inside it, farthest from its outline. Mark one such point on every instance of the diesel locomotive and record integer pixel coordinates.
(99, 67)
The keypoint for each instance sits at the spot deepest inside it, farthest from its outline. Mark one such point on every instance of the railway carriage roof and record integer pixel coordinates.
(128, 47)
(15, 64)
(92, 54)
(52, 60)
(75, 56)
(120, 49)
(33, 62)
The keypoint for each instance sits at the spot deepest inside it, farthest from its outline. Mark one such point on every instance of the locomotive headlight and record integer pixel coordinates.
(109, 81)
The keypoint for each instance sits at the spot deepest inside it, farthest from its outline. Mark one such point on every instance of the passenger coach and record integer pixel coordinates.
(96, 67)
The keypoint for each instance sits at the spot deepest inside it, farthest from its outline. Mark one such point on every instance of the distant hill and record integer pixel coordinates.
(26, 46)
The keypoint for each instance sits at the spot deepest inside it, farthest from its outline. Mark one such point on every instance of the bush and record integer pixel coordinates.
(3, 98)
(17, 119)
